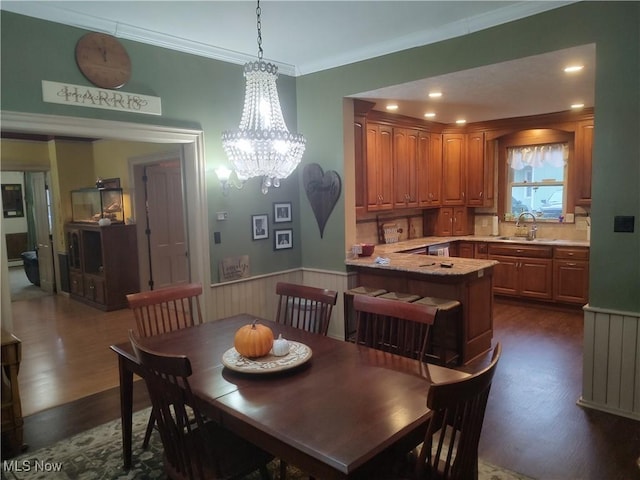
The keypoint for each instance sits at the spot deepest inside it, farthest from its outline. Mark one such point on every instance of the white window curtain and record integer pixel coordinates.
(555, 155)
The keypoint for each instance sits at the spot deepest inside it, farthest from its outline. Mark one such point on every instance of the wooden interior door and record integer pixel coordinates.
(167, 238)
(41, 212)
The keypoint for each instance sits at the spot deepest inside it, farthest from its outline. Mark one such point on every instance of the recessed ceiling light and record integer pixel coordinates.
(435, 94)
(461, 121)
(430, 114)
(392, 107)
(576, 106)
(573, 68)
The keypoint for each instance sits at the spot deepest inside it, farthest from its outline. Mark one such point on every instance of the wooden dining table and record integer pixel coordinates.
(333, 416)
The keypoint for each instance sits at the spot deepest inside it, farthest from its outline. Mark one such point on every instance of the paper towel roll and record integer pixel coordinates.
(494, 226)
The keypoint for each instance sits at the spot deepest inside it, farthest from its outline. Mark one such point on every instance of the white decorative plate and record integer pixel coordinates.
(298, 354)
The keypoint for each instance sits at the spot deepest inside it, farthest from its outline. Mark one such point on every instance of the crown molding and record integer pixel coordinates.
(496, 17)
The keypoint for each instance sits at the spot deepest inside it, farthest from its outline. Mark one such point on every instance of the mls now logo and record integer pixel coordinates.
(31, 466)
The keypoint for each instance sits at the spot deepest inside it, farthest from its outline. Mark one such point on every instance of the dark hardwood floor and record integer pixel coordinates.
(532, 425)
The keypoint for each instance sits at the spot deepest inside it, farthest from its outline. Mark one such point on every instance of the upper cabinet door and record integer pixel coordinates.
(475, 190)
(453, 168)
(582, 165)
(359, 139)
(405, 162)
(429, 169)
(379, 166)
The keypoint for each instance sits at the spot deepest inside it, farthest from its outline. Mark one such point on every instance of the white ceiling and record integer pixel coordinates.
(302, 37)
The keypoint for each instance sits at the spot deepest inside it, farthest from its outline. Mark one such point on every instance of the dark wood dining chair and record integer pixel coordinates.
(450, 448)
(194, 447)
(393, 326)
(165, 310)
(305, 307)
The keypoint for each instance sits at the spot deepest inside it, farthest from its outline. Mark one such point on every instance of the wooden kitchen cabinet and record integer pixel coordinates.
(429, 169)
(379, 167)
(571, 275)
(360, 145)
(405, 168)
(103, 264)
(481, 250)
(454, 221)
(465, 249)
(453, 168)
(523, 271)
(475, 170)
(583, 163)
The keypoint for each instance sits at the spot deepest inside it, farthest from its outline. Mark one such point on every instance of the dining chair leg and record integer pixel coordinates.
(147, 434)
(283, 469)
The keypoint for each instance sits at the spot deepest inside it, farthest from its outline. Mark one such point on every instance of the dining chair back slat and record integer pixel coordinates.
(305, 307)
(166, 309)
(194, 447)
(392, 326)
(450, 448)
(162, 311)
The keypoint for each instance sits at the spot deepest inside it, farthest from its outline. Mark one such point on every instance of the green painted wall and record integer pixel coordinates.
(615, 29)
(196, 93)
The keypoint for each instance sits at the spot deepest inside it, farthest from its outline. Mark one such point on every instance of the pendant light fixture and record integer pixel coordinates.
(262, 145)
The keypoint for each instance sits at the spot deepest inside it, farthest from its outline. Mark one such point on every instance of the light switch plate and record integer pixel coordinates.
(222, 215)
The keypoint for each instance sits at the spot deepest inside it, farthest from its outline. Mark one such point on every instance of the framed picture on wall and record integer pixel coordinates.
(282, 212)
(283, 239)
(260, 226)
(12, 204)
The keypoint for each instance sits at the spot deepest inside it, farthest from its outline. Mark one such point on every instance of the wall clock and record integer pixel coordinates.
(103, 60)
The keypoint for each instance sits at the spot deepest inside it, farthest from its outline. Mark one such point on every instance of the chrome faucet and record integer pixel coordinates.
(531, 234)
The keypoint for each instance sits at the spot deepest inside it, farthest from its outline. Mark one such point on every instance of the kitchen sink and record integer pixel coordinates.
(525, 239)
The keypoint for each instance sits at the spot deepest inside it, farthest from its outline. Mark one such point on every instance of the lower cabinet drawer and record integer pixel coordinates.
(76, 284)
(94, 289)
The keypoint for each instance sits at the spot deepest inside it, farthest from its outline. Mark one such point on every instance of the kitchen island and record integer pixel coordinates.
(466, 280)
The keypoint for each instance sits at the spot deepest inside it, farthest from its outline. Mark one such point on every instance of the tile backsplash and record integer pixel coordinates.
(411, 227)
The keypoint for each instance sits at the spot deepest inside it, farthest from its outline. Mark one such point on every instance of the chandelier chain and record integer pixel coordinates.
(259, 26)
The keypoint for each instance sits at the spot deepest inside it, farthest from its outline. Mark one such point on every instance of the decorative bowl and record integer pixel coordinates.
(367, 249)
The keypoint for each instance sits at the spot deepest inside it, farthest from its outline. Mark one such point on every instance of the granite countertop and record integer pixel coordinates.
(432, 265)
(424, 264)
(416, 243)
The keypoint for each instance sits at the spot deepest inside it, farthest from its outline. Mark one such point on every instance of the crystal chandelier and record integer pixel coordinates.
(262, 145)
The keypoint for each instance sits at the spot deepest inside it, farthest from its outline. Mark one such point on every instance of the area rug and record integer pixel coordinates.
(97, 455)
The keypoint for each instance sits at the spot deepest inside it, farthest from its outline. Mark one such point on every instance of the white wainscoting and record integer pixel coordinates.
(256, 295)
(611, 362)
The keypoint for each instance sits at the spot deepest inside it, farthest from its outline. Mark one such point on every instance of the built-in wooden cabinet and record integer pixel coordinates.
(360, 145)
(583, 163)
(571, 275)
(405, 167)
(523, 271)
(403, 163)
(429, 169)
(476, 170)
(453, 168)
(465, 250)
(454, 221)
(103, 264)
(379, 167)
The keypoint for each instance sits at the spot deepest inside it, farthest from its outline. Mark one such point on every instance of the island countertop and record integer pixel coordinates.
(423, 264)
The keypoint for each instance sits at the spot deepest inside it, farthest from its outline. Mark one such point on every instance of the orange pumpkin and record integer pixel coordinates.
(253, 340)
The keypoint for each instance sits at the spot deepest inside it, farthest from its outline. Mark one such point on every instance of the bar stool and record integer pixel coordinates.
(349, 317)
(401, 297)
(446, 335)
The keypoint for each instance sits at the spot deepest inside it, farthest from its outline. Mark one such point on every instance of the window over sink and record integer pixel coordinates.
(535, 166)
(537, 179)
